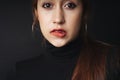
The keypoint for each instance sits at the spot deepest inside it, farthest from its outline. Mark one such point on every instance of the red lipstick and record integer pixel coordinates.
(58, 32)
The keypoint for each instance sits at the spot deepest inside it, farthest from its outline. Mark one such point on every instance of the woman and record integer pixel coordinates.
(69, 53)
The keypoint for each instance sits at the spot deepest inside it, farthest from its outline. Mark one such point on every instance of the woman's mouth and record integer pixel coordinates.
(59, 33)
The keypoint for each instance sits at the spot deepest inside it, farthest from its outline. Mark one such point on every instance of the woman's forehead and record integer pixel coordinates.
(58, 0)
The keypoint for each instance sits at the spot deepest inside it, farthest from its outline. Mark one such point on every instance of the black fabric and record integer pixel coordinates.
(59, 63)
(56, 63)
(69, 51)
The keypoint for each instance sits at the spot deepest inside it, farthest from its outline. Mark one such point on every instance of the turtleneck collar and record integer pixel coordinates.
(70, 50)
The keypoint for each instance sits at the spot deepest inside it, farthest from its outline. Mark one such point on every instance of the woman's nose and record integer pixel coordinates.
(58, 17)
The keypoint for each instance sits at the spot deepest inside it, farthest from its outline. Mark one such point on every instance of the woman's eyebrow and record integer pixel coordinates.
(45, 0)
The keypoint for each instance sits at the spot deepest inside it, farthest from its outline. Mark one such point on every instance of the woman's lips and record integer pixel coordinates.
(59, 33)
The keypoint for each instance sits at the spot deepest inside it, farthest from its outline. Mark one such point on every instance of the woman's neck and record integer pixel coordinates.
(70, 50)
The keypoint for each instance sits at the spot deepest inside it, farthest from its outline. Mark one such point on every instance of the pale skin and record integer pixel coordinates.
(59, 14)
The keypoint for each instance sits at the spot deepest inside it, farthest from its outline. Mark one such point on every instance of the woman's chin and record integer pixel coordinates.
(58, 43)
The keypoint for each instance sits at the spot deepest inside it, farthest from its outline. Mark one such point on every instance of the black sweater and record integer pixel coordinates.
(59, 63)
(53, 64)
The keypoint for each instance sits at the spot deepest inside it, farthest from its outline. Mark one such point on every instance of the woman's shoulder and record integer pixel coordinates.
(28, 62)
(112, 51)
(112, 48)
(28, 67)
(112, 59)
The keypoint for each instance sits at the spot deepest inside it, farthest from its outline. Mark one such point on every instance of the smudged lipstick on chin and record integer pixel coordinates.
(59, 33)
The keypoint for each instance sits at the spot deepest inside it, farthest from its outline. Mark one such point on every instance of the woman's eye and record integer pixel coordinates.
(70, 5)
(47, 5)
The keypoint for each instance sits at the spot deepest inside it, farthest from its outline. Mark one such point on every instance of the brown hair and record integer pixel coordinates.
(92, 59)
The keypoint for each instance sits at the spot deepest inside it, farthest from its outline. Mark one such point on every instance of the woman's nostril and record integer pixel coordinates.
(58, 21)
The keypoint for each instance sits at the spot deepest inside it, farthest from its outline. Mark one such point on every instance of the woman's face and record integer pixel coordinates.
(59, 20)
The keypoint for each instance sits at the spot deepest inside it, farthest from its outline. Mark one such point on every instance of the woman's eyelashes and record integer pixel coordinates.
(68, 5)
(47, 5)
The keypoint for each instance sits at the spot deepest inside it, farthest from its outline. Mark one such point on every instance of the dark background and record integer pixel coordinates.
(16, 33)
